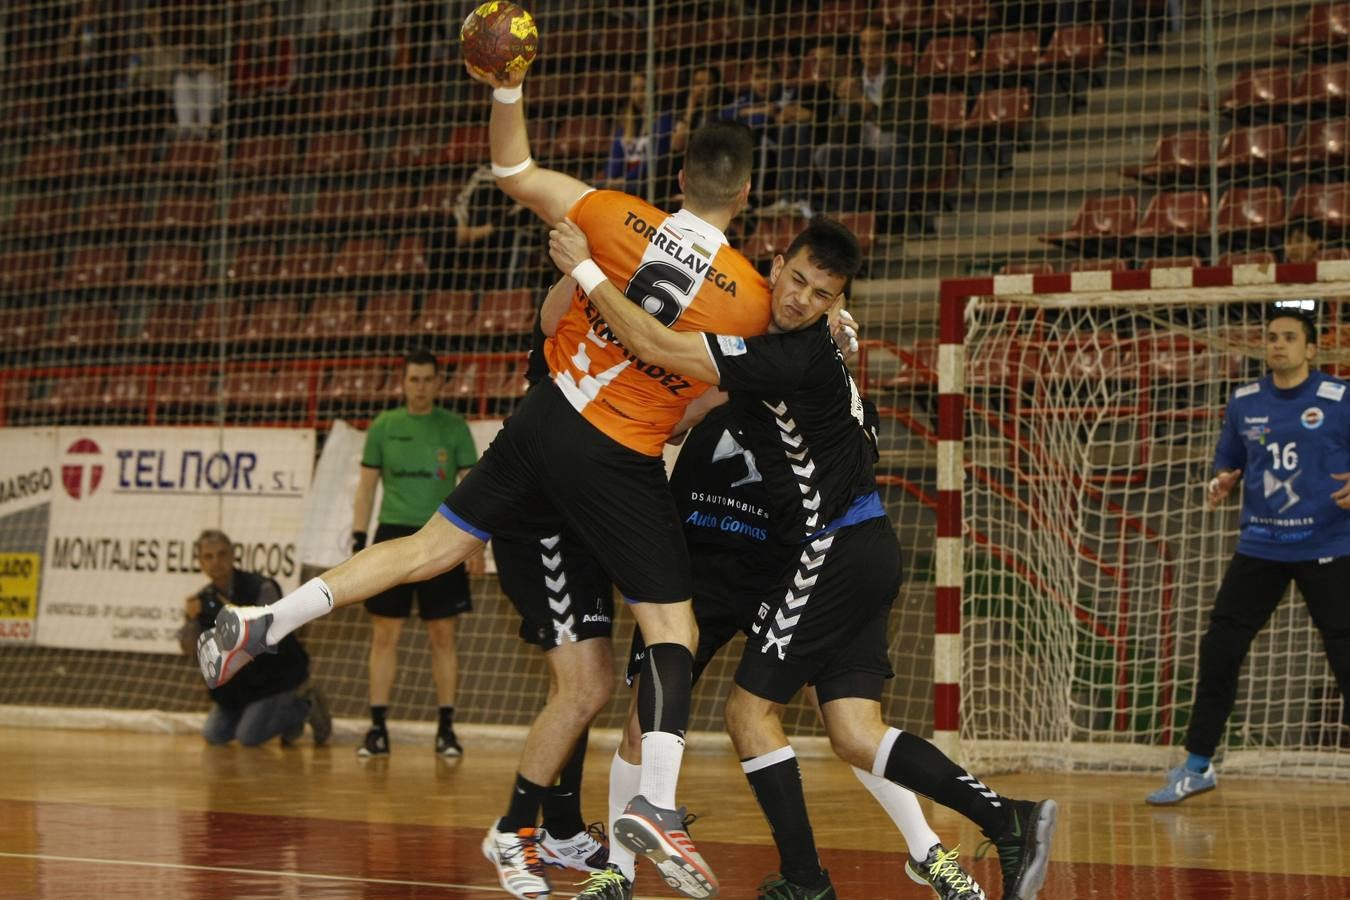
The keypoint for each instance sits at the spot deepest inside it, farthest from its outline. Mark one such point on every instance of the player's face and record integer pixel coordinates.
(802, 291)
(1287, 347)
(420, 383)
(216, 560)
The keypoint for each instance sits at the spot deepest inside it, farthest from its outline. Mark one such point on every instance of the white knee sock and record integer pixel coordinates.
(305, 604)
(903, 808)
(624, 780)
(662, 753)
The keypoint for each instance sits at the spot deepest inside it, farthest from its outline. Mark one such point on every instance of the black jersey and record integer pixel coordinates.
(718, 488)
(801, 415)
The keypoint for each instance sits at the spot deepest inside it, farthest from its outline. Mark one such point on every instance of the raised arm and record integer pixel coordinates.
(549, 193)
(682, 351)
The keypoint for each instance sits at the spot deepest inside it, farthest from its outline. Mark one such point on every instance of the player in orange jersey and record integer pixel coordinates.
(583, 451)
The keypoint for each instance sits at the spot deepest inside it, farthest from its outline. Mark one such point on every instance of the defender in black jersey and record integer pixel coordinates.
(801, 415)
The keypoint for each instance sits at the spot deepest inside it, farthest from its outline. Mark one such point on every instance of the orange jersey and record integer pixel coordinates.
(682, 271)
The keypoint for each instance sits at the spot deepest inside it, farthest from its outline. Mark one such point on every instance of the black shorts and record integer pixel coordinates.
(549, 470)
(826, 624)
(441, 597)
(560, 590)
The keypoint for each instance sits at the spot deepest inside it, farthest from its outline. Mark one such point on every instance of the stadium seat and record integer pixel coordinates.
(15, 391)
(353, 387)
(270, 320)
(414, 102)
(83, 327)
(170, 265)
(303, 261)
(771, 236)
(579, 138)
(183, 390)
(447, 313)
(253, 263)
(1256, 214)
(329, 318)
(950, 60)
(39, 215)
(118, 163)
(25, 271)
(1325, 27)
(385, 204)
(258, 210)
(1099, 265)
(49, 162)
(1011, 53)
(1248, 258)
(22, 328)
(263, 157)
(1100, 222)
(1322, 207)
(415, 149)
(387, 315)
(1256, 148)
(1324, 88)
(1179, 215)
(335, 154)
(245, 388)
(1180, 156)
(907, 15)
(1169, 358)
(189, 158)
(295, 388)
(112, 211)
(1172, 262)
(507, 312)
(467, 146)
(503, 379)
(71, 394)
(183, 212)
(1075, 48)
(126, 392)
(437, 201)
(335, 208)
(358, 258)
(409, 258)
(164, 323)
(1323, 144)
(864, 228)
(209, 322)
(462, 384)
(1027, 268)
(95, 267)
(947, 112)
(1259, 93)
(348, 106)
(836, 17)
(1001, 111)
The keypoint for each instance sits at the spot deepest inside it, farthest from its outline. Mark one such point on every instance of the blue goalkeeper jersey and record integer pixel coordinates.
(1287, 444)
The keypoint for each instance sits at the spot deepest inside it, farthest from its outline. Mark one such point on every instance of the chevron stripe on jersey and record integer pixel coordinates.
(793, 606)
(555, 589)
(799, 461)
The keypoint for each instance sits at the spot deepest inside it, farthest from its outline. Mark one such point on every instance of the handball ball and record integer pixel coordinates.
(499, 39)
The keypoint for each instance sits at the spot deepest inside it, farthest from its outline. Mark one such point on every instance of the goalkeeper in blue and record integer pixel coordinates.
(1286, 437)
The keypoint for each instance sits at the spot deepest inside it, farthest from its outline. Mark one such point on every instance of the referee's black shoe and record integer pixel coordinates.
(1024, 848)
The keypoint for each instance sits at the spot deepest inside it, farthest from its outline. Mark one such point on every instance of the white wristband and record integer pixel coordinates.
(508, 171)
(588, 275)
(507, 95)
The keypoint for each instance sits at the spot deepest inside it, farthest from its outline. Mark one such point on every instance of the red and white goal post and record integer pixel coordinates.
(1076, 562)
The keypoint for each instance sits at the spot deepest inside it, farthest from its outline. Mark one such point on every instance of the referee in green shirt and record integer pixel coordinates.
(417, 452)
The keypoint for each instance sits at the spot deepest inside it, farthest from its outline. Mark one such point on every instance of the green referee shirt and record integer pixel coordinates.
(418, 458)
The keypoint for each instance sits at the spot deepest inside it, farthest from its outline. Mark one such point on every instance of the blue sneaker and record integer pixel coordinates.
(1183, 783)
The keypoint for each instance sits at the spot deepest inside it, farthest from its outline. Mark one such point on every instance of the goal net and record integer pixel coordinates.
(1089, 562)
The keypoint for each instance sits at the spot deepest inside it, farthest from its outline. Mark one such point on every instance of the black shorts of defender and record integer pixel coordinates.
(559, 588)
(441, 597)
(827, 625)
(549, 470)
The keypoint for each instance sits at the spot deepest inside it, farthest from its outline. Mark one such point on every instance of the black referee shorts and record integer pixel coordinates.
(559, 588)
(549, 470)
(441, 597)
(827, 624)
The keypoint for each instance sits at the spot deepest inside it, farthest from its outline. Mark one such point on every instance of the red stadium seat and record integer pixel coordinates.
(1323, 143)
(947, 112)
(253, 263)
(258, 210)
(507, 312)
(1265, 92)
(171, 265)
(1008, 52)
(447, 313)
(437, 200)
(384, 204)
(463, 383)
(1001, 111)
(1257, 148)
(1324, 26)
(95, 267)
(358, 258)
(356, 386)
(126, 391)
(408, 258)
(1323, 207)
(1076, 48)
(414, 102)
(38, 215)
(22, 328)
(270, 320)
(23, 271)
(166, 323)
(330, 317)
(387, 314)
(186, 389)
(1324, 88)
(1099, 265)
(414, 150)
(335, 154)
(110, 212)
(950, 58)
(1248, 258)
(190, 158)
(580, 137)
(346, 105)
(335, 208)
(1100, 221)
(49, 162)
(248, 387)
(772, 236)
(1257, 213)
(260, 157)
(1027, 268)
(864, 227)
(84, 326)
(503, 379)
(1175, 214)
(15, 390)
(71, 393)
(184, 212)
(468, 146)
(841, 17)
(303, 261)
(1172, 262)
(1178, 156)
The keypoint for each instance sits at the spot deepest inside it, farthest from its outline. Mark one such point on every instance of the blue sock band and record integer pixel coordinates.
(1197, 763)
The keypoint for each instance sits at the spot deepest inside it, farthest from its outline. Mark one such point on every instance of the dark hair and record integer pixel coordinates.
(717, 162)
(1302, 316)
(830, 245)
(214, 536)
(421, 357)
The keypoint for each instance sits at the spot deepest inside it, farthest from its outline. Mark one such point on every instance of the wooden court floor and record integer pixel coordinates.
(118, 815)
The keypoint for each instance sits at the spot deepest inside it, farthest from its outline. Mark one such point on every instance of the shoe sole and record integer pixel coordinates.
(1204, 790)
(1033, 878)
(231, 631)
(490, 854)
(644, 838)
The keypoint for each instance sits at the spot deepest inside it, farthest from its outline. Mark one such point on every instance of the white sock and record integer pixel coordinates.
(305, 604)
(662, 753)
(903, 808)
(624, 780)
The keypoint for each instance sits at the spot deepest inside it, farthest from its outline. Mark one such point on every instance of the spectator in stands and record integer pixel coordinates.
(256, 706)
(704, 100)
(263, 72)
(641, 141)
(480, 252)
(179, 63)
(417, 452)
(759, 106)
(920, 151)
(89, 59)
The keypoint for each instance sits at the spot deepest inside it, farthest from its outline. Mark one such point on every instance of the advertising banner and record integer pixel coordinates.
(125, 513)
(27, 479)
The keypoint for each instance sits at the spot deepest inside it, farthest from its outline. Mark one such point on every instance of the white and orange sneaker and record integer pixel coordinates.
(519, 867)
